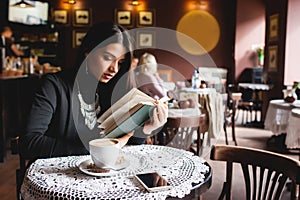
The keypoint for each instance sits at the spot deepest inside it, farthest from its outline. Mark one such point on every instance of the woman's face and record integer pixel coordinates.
(104, 63)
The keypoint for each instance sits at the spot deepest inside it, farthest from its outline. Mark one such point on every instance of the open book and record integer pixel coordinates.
(128, 113)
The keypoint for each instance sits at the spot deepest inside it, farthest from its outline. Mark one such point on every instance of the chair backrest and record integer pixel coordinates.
(178, 131)
(265, 173)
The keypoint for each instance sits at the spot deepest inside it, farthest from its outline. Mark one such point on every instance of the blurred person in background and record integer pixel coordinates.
(147, 78)
(7, 41)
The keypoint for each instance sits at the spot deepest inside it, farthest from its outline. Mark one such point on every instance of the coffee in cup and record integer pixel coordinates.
(104, 152)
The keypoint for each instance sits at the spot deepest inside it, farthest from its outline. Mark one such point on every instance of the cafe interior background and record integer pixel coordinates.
(242, 30)
(245, 28)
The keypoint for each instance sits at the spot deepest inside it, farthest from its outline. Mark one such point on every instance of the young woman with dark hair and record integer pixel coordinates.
(64, 113)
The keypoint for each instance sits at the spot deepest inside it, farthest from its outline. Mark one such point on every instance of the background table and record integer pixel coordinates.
(278, 120)
(59, 178)
(211, 103)
(292, 140)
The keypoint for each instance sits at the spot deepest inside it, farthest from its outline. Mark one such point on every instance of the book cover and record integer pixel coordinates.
(128, 113)
(135, 118)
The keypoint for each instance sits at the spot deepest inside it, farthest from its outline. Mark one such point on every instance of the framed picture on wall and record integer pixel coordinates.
(61, 17)
(273, 58)
(123, 17)
(78, 36)
(145, 39)
(273, 27)
(165, 74)
(146, 18)
(82, 17)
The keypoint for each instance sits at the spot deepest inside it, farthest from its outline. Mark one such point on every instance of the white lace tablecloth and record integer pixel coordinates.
(255, 86)
(60, 178)
(280, 119)
(292, 139)
(211, 102)
(277, 116)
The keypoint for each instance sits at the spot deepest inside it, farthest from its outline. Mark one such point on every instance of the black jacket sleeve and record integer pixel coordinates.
(48, 132)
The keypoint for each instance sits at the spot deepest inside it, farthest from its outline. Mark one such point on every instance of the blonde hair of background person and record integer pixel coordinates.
(147, 64)
(147, 79)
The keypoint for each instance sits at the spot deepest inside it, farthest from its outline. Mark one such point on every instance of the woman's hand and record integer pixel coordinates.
(158, 119)
(123, 140)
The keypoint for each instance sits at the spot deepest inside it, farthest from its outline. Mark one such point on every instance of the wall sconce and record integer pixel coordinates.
(135, 2)
(70, 2)
(22, 4)
(202, 4)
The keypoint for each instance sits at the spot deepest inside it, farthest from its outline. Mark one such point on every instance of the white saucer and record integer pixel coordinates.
(296, 104)
(84, 164)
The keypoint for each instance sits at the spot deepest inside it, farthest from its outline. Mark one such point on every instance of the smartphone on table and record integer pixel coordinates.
(153, 182)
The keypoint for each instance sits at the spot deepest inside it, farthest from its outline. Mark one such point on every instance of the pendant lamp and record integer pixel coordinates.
(22, 4)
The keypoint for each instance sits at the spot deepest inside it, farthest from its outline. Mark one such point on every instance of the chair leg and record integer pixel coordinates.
(225, 131)
(233, 135)
(19, 180)
(233, 123)
(224, 192)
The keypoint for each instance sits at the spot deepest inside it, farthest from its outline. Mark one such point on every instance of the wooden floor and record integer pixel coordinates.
(250, 137)
(8, 177)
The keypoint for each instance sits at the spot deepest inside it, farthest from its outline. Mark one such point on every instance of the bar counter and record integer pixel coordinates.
(16, 96)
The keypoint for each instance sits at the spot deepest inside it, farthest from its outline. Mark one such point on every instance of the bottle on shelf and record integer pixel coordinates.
(196, 79)
(31, 65)
(2, 59)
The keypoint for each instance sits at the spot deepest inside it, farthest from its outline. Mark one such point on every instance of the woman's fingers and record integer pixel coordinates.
(123, 140)
(158, 118)
(162, 112)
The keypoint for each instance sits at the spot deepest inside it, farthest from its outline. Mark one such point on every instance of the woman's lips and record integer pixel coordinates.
(107, 76)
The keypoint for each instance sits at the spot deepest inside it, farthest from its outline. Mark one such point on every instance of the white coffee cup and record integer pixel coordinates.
(104, 152)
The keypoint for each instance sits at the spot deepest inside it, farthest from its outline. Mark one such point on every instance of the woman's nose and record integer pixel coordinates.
(114, 66)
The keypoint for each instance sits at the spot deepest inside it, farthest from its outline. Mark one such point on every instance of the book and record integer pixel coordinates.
(128, 113)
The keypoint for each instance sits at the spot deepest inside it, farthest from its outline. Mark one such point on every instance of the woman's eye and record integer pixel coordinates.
(108, 57)
(121, 62)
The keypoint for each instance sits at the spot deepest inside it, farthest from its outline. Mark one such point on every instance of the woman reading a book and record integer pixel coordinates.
(64, 113)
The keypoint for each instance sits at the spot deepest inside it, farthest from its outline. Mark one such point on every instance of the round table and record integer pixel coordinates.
(278, 115)
(292, 140)
(282, 118)
(60, 178)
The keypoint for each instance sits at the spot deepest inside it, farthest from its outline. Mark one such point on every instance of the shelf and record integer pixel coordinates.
(47, 56)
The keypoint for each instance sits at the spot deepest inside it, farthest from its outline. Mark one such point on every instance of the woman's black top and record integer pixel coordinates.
(51, 130)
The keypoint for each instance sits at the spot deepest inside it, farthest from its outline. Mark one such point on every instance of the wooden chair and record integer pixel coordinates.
(178, 132)
(265, 173)
(246, 105)
(231, 100)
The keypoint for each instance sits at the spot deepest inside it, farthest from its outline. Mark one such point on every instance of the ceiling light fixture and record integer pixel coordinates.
(135, 3)
(71, 1)
(202, 4)
(22, 4)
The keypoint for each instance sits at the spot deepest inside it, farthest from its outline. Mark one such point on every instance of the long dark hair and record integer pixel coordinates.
(101, 35)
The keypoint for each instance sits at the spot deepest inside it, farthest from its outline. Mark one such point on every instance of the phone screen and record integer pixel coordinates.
(152, 180)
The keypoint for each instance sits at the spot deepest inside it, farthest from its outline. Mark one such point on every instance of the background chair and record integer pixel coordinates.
(178, 132)
(231, 101)
(265, 173)
(246, 105)
(23, 164)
